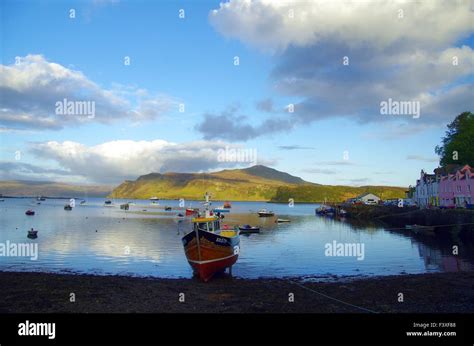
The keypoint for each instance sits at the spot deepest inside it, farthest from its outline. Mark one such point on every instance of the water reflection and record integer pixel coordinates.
(97, 239)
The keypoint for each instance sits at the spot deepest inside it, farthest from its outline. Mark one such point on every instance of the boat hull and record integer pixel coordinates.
(209, 253)
(190, 212)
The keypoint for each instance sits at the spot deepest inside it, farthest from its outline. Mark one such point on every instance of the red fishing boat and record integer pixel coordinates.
(208, 248)
(227, 205)
(191, 211)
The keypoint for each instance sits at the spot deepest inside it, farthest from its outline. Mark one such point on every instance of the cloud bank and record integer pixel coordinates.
(115, 161)
(32, 86)
(343, 58)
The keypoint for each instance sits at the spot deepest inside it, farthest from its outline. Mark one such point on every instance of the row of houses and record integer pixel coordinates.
(451, 186)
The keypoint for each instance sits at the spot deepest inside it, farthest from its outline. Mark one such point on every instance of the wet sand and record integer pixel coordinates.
(50, 293)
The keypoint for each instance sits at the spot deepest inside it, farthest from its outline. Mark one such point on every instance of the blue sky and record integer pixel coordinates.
(138, 127)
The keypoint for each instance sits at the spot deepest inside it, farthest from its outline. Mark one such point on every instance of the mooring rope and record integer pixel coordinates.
(332, 298)
(431, 226)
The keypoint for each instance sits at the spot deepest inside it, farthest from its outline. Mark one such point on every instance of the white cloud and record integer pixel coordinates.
(268, 24)
(32, 85)
(114, 161)
(422, 158)
(415, 58)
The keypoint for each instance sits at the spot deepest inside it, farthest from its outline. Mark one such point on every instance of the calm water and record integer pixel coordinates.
(68, 242)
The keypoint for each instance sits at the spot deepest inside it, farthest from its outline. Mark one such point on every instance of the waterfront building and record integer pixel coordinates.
(451, 186)
(457, 189)
(368, 198)
(426, 190)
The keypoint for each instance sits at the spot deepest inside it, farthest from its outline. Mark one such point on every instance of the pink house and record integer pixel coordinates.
(457, 190)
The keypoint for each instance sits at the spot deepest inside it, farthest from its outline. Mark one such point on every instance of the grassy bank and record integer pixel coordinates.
(42, 292)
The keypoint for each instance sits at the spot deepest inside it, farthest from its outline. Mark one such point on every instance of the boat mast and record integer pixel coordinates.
(207, 212)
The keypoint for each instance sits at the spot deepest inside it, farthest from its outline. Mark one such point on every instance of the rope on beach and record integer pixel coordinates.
(332, 298)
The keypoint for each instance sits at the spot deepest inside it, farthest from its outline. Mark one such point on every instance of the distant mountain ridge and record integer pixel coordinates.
(257, 183)
(23, 188)
(271, 173)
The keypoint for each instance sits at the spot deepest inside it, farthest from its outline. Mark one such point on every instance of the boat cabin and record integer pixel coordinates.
(208, 224)
(211, 224)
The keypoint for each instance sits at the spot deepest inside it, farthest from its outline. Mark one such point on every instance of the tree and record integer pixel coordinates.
(458, 144)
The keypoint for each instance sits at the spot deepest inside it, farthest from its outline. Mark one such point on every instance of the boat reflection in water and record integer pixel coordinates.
(208, 248)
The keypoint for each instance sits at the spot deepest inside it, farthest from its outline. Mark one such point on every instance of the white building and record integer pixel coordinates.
(368, 198)
(426, 192)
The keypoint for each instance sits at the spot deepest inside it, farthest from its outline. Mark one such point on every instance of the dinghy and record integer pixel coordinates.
(249, 229)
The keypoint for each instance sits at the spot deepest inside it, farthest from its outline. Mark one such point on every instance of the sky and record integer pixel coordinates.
(174, 84)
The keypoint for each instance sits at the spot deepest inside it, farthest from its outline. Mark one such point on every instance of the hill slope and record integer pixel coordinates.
(257, 183)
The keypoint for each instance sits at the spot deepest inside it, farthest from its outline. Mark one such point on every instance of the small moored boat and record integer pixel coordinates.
(191, 211)
(248, 229)
(168, 208)
(108, 203)
(221, 209)
(67, 207)
(125, 206)
(32, 233)
(208, 248)
(227, 205)
(265, 213)
(30, 212)
(325, 210)
(282, 220)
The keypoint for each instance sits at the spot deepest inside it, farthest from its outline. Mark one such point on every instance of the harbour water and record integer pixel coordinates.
(146, 241)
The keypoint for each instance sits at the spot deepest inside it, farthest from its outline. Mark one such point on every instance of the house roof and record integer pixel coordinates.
(367, 193)
(448, 169)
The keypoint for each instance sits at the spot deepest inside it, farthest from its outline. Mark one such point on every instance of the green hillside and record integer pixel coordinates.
(320, 193)
(257, 183)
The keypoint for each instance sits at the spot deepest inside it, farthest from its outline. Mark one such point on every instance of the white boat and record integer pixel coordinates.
(265, 213)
